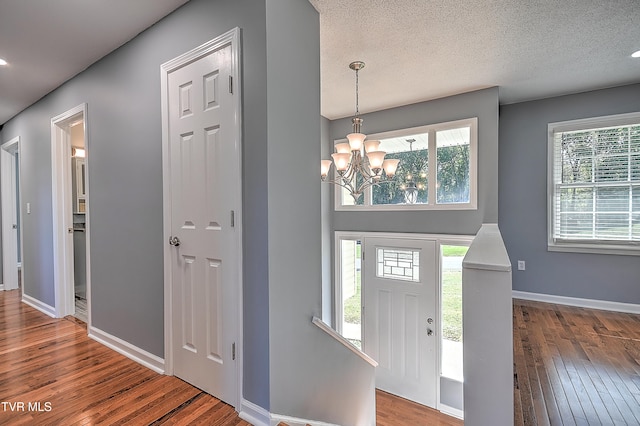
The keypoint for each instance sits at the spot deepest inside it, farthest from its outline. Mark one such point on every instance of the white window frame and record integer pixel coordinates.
(431, 129)
(582, 246)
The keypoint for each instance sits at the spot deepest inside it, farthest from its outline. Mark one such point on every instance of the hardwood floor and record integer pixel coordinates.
(572, 366)
(575, 366)
(70, 379)
(395, 411)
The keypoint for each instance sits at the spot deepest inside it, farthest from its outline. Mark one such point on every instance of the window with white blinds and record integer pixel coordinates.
(594, 185)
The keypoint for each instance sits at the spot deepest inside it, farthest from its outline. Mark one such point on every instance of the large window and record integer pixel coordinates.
(437, 170)
(594, 185)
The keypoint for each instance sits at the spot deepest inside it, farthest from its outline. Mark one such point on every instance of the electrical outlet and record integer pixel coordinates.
(521, 265)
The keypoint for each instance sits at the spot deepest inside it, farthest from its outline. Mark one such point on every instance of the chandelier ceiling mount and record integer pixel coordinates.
(359, 163)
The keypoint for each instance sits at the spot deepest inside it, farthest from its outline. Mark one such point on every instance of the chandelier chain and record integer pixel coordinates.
(357, 97)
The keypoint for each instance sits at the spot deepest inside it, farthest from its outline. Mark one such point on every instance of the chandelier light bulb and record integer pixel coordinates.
(341, 160)
(375, 160)
(371, 145)
(343, 148)
(356, 140)
(390, 166)
(325, 166)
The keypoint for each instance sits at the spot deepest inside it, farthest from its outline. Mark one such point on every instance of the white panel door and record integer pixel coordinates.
(204, 191)
(399, 292)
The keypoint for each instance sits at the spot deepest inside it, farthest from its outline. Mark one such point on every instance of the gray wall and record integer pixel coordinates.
(326, 219)
(125, 176)
(284, 353)
(482, 104)
(33, 127)
(523, 201)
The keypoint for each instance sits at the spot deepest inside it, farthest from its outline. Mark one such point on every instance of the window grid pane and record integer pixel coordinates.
(597, 184)
(413, 153)
(398, 264)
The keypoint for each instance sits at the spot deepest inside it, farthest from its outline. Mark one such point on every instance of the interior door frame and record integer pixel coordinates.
(9, 195)
(232, 38)
(440, 239)
(62, 211)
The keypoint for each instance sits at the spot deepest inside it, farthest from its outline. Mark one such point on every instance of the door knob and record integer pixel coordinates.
(429, 332)
(174, 241)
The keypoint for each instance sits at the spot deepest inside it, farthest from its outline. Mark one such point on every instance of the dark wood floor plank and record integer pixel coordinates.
(588, 359)
(395, 411)
(47, 360)
(571, 366)
(53, 361)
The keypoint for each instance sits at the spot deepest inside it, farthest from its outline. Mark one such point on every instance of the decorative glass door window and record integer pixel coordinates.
(398, 264)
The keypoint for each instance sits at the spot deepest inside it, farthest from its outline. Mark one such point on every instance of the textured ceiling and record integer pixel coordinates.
(414, 50)
(47, 42)
(417, 50)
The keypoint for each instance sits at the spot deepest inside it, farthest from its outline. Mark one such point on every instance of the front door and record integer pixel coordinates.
(205, 194)
(399, 290)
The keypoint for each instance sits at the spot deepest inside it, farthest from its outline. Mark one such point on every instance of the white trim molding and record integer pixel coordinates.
(62, 213)
(450, 411)
(41, 306)
(258, 416)
(338, 337)
(431, 130)
(604, 305)
(254, 414)
(276, 419)
(232, 38)
(9, 194)
(132, 352)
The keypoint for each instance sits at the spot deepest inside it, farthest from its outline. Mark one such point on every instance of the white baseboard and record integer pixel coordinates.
(254, 414)
(450, 411)
(1, 287)
(576, 301)
(258, 416)
(293, 421)
(42, 307)
(140, 356)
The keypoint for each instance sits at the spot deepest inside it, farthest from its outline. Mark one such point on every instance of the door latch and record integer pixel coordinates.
(174, 241)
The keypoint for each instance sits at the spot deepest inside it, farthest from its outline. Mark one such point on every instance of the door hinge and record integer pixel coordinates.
(231, 84)
(233, 218)
(233, 351)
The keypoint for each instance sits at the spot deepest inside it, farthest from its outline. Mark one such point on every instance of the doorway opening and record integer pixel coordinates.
(10, 189)
(399, 297)
(69, 148)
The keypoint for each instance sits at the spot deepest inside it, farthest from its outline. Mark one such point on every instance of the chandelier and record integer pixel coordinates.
(410, 187)
(359, 162)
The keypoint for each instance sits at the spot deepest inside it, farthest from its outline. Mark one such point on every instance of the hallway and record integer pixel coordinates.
(63, 377)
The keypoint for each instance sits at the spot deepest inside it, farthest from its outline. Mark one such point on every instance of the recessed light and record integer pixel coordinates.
(2, 62)
(636, 54)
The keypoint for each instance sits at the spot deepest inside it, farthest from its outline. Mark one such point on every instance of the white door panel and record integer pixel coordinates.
(203, 156)
(399, 291)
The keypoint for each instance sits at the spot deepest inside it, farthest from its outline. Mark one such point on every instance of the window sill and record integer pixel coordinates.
(624, 250)
(407, 207)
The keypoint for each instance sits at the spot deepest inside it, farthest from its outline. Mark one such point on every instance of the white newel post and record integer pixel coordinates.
(487, 331)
